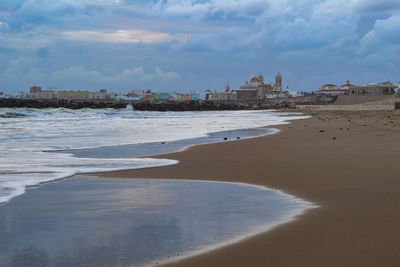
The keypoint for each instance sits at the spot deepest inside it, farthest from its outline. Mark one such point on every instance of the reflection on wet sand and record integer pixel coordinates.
(121, 222)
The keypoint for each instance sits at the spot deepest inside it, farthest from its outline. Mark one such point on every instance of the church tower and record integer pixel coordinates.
(227, 87)
(278, 83)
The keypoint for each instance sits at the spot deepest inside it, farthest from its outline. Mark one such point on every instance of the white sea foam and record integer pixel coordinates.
(26, 133)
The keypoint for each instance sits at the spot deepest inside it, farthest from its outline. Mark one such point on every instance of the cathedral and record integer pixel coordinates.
(257, 89)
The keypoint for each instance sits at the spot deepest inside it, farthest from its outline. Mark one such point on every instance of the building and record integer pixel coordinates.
(331, 89)
(185, 97)
(224, 96)
(385, 88)
(209, 95)
(278, 83)
(254, 90)
(347, 86)
(164, 96)
(22, 95)
(156, 96)
(74, 95)
(36, 92)
(195, 96)
(101, 95)
(257, 89)
(233, 95)
(173, 96)
(216, 95)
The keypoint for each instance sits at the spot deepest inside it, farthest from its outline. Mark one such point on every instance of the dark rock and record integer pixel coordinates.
(71, 104)
(201, 105)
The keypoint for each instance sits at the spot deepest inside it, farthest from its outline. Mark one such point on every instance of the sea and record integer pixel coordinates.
(118, 222)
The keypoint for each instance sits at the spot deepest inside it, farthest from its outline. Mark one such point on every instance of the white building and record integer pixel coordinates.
(331, 89)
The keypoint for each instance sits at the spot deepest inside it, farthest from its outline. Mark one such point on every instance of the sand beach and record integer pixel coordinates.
(345, 160)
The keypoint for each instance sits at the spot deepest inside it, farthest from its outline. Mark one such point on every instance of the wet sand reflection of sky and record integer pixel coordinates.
(123, 222)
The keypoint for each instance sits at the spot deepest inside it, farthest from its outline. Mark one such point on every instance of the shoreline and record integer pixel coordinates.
(239, 238)
(216, 133)
(342, 161)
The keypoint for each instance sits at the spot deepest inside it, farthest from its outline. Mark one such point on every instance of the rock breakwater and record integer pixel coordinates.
(207, 105)
(198, 105)
(71, 104)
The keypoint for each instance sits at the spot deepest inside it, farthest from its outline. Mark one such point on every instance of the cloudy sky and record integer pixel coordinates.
(188, 45)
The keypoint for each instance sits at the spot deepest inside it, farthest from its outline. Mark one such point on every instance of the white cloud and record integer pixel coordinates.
(122, 36)
(384, 35)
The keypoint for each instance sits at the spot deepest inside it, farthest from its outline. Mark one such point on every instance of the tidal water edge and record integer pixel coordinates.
(127, 222)
(82, 141)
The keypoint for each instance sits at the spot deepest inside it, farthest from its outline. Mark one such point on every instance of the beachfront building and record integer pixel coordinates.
(185, 97)
(173, 96)
(233, 95)
(101, 95)
(385, 88)
(347, 86)
(22, 95)
(224, 96)
(148, 95)
(195, 96)
(216, 95)
(202, 96)
(74, 95)
(36, 92)
(209, 95)
(156, 96)
(136, 93)
(331, 89)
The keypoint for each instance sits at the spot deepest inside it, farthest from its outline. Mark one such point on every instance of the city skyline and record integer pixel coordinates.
(193, 45)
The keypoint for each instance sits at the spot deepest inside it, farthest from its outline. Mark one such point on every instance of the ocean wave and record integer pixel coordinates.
(29, 132)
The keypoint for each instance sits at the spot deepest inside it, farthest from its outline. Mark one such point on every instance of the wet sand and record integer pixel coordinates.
(347, 162)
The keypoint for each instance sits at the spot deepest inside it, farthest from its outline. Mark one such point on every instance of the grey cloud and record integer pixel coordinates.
(376, 6)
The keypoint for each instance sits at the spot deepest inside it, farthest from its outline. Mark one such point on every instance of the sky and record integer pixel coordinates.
(194, 45)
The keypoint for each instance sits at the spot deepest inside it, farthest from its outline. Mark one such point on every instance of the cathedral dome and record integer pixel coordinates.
(254, 79)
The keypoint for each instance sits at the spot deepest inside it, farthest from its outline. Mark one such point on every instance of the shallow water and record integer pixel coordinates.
(104, 140)
(158, 148)
(125, 222)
